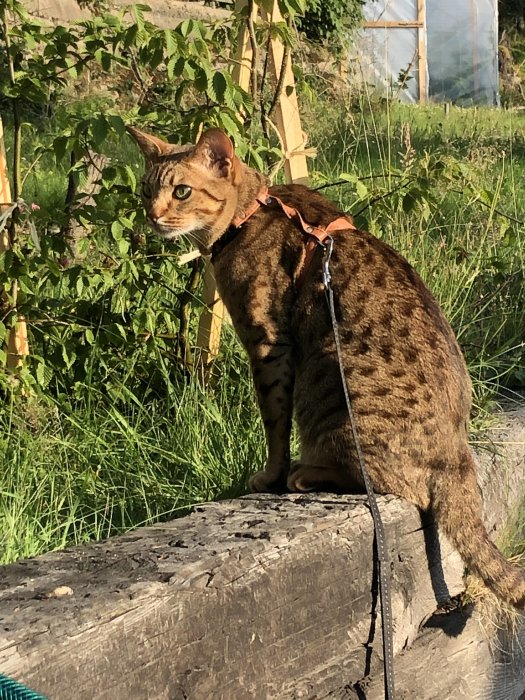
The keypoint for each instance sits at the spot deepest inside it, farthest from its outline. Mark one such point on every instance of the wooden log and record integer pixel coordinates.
(260, 597)
(460, 657)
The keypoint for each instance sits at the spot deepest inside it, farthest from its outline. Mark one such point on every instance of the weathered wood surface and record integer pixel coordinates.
(459, 657)
(261, 597)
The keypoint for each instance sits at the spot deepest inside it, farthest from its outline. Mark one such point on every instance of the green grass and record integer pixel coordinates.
(470, 247)
(97, 469)
(88, 467)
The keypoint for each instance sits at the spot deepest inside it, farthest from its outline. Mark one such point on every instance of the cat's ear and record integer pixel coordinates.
(217, 152)
(151, 146)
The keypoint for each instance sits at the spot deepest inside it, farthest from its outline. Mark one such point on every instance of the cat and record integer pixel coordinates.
(408, 381)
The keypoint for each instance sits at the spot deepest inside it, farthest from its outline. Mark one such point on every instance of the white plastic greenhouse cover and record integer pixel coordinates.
(461, 50)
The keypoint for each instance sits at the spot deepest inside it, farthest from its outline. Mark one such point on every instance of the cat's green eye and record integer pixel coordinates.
(182, 191)
(146, 190)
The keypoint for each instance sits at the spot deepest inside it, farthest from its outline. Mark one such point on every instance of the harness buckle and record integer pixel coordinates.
(328, 247)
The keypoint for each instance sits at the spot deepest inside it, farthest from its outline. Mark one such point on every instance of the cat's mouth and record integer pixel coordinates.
(169, 232)
(165, 231)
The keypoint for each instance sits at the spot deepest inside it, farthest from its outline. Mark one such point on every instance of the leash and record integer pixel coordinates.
(320, 236)
(379, 530)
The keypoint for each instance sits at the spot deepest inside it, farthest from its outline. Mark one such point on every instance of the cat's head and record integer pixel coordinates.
(190, 190)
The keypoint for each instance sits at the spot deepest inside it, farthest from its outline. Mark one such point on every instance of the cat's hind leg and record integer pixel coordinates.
(310, 477)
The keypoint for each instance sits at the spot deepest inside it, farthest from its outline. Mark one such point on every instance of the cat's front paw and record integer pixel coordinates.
(266, 482)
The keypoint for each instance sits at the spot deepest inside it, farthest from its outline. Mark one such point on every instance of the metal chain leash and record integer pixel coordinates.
(379, 530)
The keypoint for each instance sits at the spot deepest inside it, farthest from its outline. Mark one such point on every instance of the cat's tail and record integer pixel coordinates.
(457, 508)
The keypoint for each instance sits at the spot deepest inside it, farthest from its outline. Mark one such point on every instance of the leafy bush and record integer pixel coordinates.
(331, 21)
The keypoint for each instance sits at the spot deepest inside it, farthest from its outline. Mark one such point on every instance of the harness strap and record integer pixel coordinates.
(316, 235)
(259, 201)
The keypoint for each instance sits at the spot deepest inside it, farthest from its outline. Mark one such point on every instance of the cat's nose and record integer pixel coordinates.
(153, 218)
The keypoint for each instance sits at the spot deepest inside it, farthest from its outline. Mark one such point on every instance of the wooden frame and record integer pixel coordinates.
(422, 50)
(401, 24)
(288, 123)
(420, 25)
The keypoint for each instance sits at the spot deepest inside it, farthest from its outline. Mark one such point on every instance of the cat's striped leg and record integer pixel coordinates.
(274, 378)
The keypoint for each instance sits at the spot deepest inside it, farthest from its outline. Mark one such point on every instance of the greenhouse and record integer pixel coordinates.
(442, 50)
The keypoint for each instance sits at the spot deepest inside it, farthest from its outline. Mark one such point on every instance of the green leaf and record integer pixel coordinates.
(361, 189)
(105, 60)
(130, 36)
(70, 358)
(130, 177)
(228, 123)
(44, 373)
(409, 202)
(123, 246)
(218, 87)
(201, 81)
(138, 13)
(186, 27)
(116, 123)
(170, 42)
(59, 147)
(99, 129)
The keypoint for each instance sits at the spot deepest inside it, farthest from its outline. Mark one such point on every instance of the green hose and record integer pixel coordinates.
(11, 690)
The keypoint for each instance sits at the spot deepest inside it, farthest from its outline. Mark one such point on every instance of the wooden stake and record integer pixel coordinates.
(242, 70)
(5, 189)
(210, 322)
(422, 51)
(293, 139)
(287, 110)
(211, 319)
(17, 343)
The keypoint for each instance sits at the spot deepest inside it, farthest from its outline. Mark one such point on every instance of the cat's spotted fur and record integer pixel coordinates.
(408, 381)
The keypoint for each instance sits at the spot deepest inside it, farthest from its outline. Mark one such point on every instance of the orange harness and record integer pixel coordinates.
(316, 235)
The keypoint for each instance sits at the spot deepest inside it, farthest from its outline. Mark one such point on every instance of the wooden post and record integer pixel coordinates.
(287, 110)
(17, 343)
(422, 50)
(296, 169)
(5, 189)
(242, 70)
(210, 322)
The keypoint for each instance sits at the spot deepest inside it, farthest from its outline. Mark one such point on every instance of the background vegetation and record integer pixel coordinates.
(107, 424)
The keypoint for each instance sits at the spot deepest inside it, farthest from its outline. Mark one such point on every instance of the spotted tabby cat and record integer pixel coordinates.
(408, 381)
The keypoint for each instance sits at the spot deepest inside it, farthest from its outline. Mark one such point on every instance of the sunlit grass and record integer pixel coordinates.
(75, 470)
